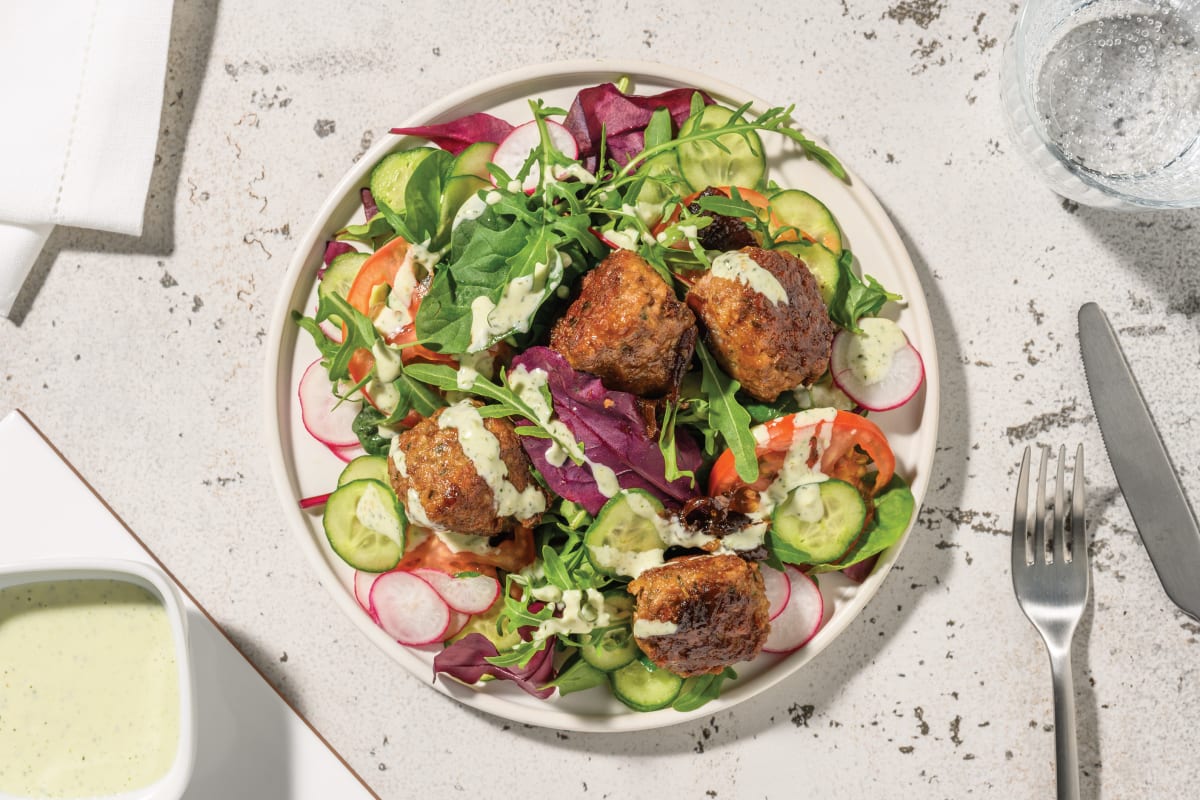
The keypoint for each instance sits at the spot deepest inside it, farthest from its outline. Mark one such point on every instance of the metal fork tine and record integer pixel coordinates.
(1039, 528)
(1020, 541)
(1058, 545)
(1078, 515)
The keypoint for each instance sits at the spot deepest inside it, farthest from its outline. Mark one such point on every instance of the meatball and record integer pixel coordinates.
(627, 328)
(766, 323)
(457, 471)
(723, 233)
(712, 610)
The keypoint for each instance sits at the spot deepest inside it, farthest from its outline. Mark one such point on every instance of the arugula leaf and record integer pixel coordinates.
(326, 346)
(412, 395)
(727, 416)
(666, 443)
(360, 333)
(853, 299)
(508, 402)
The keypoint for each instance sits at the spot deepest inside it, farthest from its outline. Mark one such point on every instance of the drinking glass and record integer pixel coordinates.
(1102, 97)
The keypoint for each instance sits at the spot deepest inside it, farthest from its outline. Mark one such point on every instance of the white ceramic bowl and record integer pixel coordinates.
(303, 467)
(172, 784)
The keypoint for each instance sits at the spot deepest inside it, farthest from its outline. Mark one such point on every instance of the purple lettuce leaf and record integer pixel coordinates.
(623, 118)
(333, 250)
(613, 432)
(467, 661)
(457, 135)
(368, 204)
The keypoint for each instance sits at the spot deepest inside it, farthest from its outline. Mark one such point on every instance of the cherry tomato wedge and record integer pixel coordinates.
(846, 432)
(387, 266)
(511, 555)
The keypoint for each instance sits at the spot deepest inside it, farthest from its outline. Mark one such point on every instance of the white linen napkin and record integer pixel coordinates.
(81, 84)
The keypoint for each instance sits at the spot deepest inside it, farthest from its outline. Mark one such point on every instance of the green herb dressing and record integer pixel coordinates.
(89, 689)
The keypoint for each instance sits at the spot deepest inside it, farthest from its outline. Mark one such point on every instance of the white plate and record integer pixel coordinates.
(303, 467)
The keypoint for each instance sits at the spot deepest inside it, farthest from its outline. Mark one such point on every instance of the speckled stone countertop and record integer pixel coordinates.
(143, 360)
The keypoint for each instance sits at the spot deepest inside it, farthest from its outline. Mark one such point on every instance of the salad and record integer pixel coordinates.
(603, 389)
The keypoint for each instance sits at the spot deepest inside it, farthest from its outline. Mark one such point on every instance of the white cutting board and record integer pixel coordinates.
(250, 743)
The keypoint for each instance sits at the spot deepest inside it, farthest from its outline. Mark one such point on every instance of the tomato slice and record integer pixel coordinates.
(511, 555)
(390, 264)
(849, 433)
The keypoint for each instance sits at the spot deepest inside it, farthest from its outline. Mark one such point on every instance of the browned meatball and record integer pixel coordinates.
(627, 328)
(717, 605)
(429, 460)
(768, 346)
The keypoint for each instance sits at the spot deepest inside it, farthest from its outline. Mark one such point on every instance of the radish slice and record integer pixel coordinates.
(472, 595)
(778, 589)
(458, 621)
(327, 420)
(408, 608)
(331, 331)
(510, 155)
(350, 453)
(801, 617)
(878, 369)
(363, 581)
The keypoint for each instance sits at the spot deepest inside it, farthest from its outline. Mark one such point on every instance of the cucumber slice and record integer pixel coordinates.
(624, 535)
(474, 160)
(651, 197)
(459, 189)
(365, 525)
(820, 262)
(737, 160)
(340, 274)
(796, 209)
(369, 467)
(389, 179)
(615, 649)
(643, 687)
(817, 523)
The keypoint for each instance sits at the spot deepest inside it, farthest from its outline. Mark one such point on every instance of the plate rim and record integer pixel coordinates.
(274, 392)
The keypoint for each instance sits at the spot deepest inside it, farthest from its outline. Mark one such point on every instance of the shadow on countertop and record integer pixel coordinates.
(192, 26)
(1160, 246)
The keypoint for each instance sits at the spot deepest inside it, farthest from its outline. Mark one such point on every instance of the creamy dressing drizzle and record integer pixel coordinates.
(795, 470)
(528, 386)
(870, 353)
(740, 267)
(373, 512)
(518, 302)
(387, 362)
(483, 449)
(579, 612)
(412, 501)
(89, 688)
(645, 628)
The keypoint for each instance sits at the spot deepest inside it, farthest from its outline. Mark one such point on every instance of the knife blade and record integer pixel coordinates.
(1156, 501)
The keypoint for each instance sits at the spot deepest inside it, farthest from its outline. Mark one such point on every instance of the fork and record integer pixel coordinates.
(1050, 575)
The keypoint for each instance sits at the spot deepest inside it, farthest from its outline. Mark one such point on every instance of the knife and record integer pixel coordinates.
(1156, 501)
